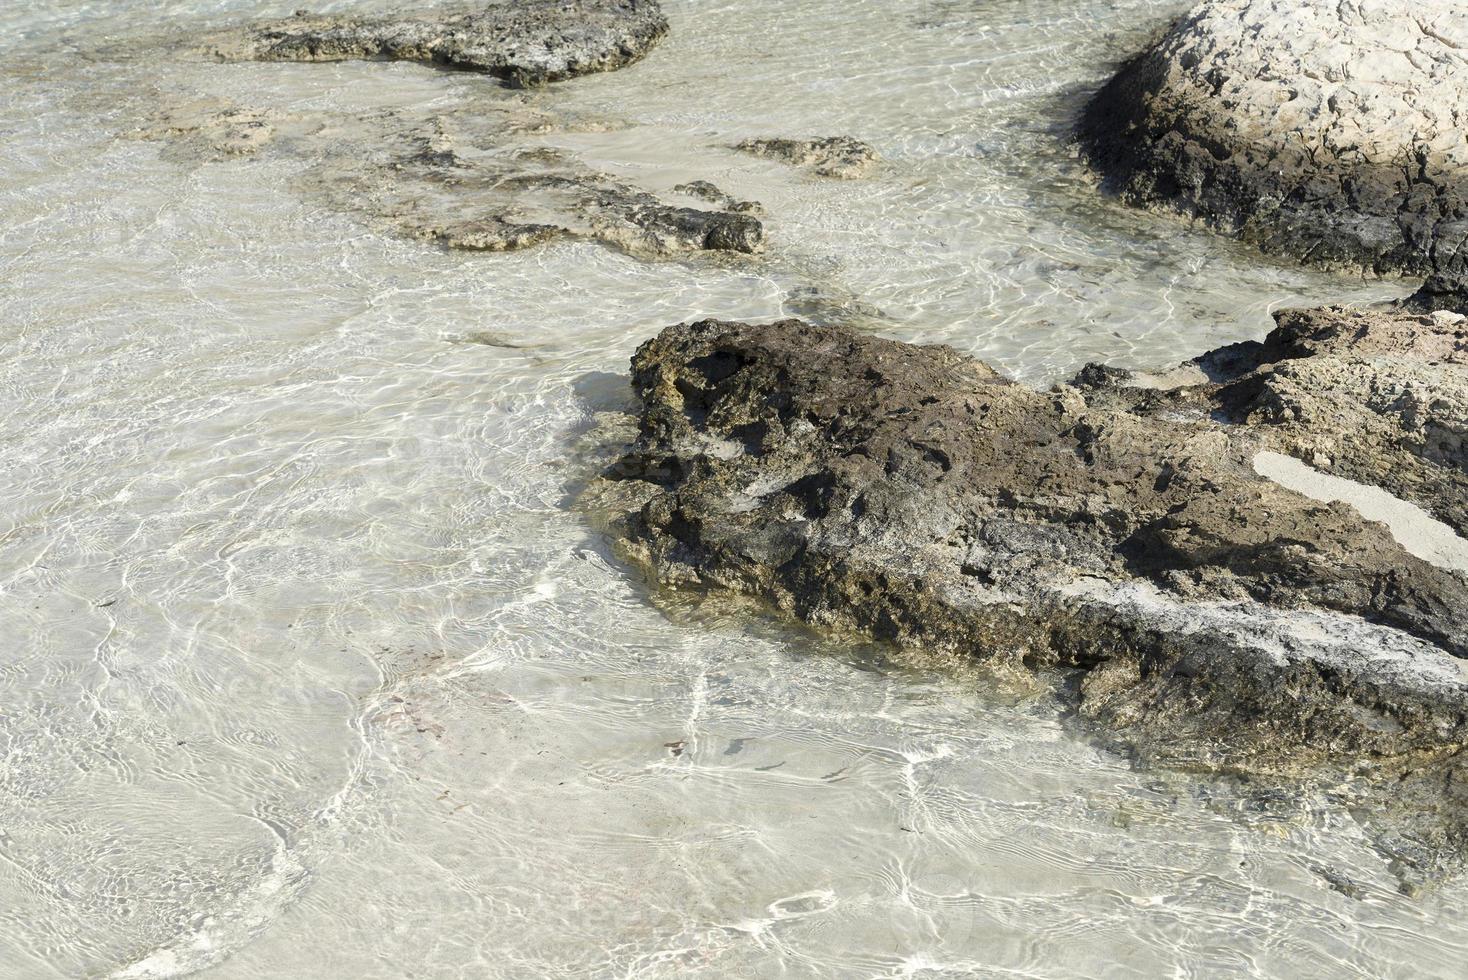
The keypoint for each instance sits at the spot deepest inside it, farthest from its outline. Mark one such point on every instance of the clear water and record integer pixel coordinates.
(311, 670)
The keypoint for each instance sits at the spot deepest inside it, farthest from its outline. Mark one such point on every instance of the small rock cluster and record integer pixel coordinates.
(467, 179)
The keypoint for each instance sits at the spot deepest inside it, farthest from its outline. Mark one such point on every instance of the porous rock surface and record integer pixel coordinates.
(841, 157)
(524, 41)
(1218, 619)
(703, 190)
(502, 204)
(1328, 130)
(1377, 397)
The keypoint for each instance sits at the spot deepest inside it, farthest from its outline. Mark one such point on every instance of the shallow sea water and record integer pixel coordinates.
(312, 669)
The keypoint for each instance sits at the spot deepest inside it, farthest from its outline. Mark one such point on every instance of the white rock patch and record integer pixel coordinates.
(1414, 529)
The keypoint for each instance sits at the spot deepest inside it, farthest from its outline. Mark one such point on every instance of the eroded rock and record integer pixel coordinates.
(472, 179)
(1219, 618)
(496, 203)
(1328, 130)
(526, 42)
(1377, 397)
(705, 191)
(833, 156)
(1440, 292)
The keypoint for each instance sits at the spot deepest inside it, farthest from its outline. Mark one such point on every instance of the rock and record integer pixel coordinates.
(211, 129)
(833, 156)
(462, 180)
(505, 202)
(527, 42)
(1440, 292)
(1218, 618)
(1380, 398)
(1332, 131)
(705, 191)
(467, 179)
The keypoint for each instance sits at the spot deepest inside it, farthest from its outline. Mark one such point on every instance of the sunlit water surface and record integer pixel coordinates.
(311, 669)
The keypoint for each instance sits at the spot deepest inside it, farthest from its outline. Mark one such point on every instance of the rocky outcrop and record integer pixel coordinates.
(1218, 617)
(832, 156)
(501, 205)
(1380, 398)
(702, 190)
(472, 178)
(463, 180)
(528, 42)
(1439, 292)
(1328, 130)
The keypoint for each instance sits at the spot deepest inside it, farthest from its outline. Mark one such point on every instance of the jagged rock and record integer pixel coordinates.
(1328, 130)
(464, 180)
(525, 42)
(833, 156)
(1439, 292)
(505, 202)
(913, 494)
(1377, 397)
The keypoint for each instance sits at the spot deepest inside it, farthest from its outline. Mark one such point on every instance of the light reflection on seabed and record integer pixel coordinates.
(311, 670)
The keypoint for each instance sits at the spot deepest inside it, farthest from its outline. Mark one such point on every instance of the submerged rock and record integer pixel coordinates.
(210, 129)
(833, 156)
(1328, 130)
(474, 178)
(495, 205)
(466, 180)
(525, 42)
(704, 191)
(1219, 618)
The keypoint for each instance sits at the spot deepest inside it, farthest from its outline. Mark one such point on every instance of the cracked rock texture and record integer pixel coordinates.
(832, 156)
(1328, 130)
(504, 203)
(1218, 618)
(525, 42)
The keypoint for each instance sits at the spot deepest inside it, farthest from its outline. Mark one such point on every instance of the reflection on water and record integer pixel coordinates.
(312, 672)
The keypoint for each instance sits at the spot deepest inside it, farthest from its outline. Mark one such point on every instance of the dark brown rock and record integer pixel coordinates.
(1217, 617)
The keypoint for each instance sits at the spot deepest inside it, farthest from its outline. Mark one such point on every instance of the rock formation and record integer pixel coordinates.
(702, 190)
(501, 204)
(1124, 530)
(527, 42)
(1328, 130)
(833, 156)
(469, 179)
(1375, 397)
